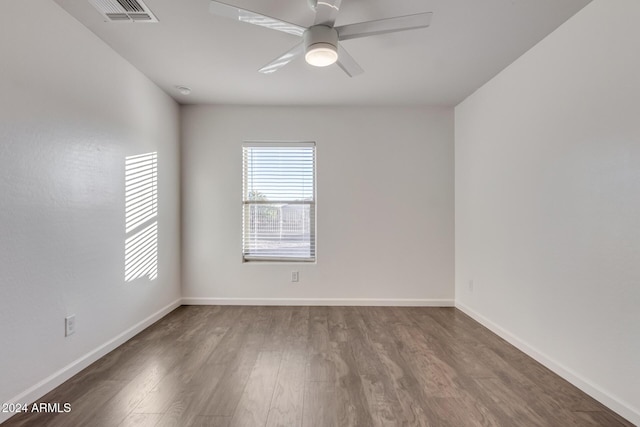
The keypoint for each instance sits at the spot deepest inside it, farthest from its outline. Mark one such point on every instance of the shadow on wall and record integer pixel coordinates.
(141, 217)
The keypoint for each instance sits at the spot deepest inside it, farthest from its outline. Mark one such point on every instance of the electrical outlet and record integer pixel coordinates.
(470, 285)
(69, 325)
(295, 276)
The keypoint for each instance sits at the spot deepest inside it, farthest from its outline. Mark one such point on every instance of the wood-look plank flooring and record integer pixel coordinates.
(318, 366)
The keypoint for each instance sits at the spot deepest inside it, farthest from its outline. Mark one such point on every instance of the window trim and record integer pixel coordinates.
(312, 204)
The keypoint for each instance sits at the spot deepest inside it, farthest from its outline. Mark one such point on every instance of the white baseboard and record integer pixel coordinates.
(46, 385)
(612, 402)
(321, 302)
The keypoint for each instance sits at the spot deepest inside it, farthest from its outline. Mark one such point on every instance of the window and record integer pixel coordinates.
(278, 201)
(141, 213)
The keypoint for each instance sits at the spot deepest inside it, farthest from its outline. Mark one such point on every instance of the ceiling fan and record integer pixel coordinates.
(321, 41)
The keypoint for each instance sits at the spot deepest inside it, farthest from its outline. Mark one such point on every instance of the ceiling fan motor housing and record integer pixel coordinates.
(320, 36)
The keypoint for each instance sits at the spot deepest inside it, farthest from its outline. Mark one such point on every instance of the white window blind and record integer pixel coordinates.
(278, 201)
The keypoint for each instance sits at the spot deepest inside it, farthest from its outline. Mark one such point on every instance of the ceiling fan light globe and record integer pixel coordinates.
(321, 55)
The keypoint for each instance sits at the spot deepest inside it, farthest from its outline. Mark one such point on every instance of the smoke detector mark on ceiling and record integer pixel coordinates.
(124, 10)
(184, 90)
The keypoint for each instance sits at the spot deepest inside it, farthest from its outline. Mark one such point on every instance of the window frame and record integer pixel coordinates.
(248, 258)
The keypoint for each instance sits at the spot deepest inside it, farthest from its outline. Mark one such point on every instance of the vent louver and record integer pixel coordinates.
(124, 10)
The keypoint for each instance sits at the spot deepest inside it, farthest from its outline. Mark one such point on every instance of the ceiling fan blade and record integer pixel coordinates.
(347, 63)
(383, 26)
(283, 59)
(327, 12)
(235, 13)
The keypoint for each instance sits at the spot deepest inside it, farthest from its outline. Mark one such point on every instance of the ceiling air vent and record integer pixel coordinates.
(124, 10)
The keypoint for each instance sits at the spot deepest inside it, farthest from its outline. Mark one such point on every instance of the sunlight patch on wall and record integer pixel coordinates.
(141, 213)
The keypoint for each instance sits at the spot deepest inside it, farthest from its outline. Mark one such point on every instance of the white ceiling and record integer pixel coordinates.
(468, 42)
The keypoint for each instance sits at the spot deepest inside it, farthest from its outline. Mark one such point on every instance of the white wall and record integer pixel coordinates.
(70, 111)
(384, 205)
(548, 202)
